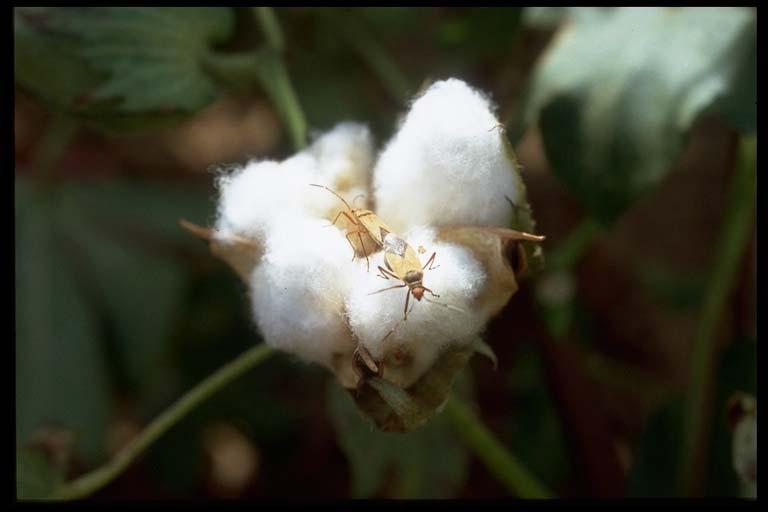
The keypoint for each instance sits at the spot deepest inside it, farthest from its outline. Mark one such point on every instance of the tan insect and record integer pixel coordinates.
(365, 222)
(403, 263)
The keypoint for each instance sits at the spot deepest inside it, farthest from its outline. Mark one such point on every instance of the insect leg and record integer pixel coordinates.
(354, 251)
(429, 262)
(385, 273)
(405, 309)
(389, 288)
(430, 291)
(347, 215)
(367, 261)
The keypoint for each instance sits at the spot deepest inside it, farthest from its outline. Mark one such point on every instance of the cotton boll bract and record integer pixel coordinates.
(415, 343)
(299, 287)
(447, 164)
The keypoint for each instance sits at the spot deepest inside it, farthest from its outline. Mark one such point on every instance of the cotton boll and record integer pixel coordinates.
(415, 343)
(344, 156)
(343, 162)
(253, 197)
(449, 163)
(299, 287)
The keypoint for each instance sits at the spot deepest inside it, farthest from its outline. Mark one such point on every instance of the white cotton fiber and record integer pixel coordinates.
(251, 198)
(299, 287)
(344, 156)
(430, 327)
(447, 164)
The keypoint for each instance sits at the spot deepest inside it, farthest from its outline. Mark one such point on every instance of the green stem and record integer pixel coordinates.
(98, 478)
(272, 32)
(568, 254)
(734, 235)
(504, 466)
(277, 81)
(372, 53)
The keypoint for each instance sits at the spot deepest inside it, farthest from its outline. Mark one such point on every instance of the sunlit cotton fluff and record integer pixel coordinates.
(447, 164)
(417, 342)
(298, 290)
(253, 197)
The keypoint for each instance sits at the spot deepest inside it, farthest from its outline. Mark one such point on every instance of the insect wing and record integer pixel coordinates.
(399, 256)
(374, 225)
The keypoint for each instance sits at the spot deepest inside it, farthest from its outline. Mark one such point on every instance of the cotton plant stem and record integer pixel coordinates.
(501, 463)
(734, 236)
(372, 53)
(100, 477)
(568, 254)
(278, 81)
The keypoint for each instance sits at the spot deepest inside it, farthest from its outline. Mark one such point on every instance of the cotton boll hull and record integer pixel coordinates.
(298, 292)
(448, 164)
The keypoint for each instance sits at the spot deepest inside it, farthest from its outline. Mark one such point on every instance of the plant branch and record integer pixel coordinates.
(570, 251)
(732, 242)
(502, 464)
(271, 28)
(277, 81)
(100, 477)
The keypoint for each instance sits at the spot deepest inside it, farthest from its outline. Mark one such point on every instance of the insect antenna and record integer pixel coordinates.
(447, 306)
(332, 192)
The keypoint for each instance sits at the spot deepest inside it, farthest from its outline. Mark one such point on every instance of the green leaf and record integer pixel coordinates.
(615, 95)
(61, 378)
(429, 463)
(654, 472)
(119, 61)
(36, 477)
(96, 283)
(124, 231)
(737, 373)
(546, 18)
(534, 422)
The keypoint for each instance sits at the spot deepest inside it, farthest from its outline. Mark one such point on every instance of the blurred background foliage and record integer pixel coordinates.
(615, 365)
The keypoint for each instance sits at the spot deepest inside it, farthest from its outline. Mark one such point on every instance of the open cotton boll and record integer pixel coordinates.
(344, 156)
(447, 164)
(299, 287)
(252, 197)
(343, 162)
(416, 342)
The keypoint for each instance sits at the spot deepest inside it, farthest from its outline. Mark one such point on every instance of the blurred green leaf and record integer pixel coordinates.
(61, 377)
(125, 231)
(548, 18)
(118, 61)
(428, 463)
(675, 290)
(96, 278)
(615, 96)
(36, 477)
(737, 373)
(535, 423)
(654, 472)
